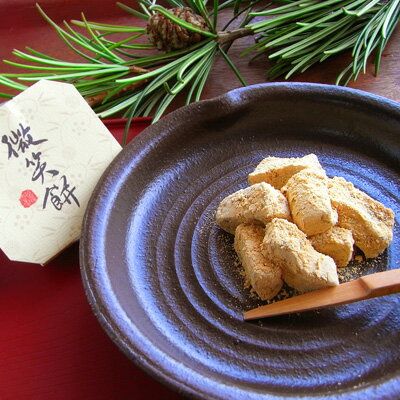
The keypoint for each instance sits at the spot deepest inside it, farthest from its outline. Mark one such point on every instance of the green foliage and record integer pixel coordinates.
(129, 76)
(127, 80)
(302, 33)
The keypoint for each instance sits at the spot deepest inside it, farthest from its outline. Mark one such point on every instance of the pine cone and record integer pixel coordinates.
(167, 36)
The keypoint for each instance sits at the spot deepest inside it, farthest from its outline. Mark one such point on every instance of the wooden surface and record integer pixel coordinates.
(366, 287)
(387, 83)
(51, 345)
(39, 35)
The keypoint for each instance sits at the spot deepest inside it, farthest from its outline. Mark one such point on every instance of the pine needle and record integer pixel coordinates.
(117, 77)
(302, 33)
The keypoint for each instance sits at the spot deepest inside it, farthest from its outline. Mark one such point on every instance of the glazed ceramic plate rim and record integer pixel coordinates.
(152, 134)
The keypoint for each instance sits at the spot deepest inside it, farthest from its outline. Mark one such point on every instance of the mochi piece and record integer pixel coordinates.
(336, 243)
(309, 201)
(370, 222)
(263, 276)
(276, 170)
(303, 268)
(256, 204)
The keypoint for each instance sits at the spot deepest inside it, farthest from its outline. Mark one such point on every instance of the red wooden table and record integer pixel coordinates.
(51, 346)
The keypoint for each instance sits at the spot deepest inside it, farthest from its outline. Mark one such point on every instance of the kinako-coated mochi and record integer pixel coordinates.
(303, 267)
(296, 225)
(277, 171)
(263, 276)
(370, 222)
(337, 243)
(309, 202)
(256, 204)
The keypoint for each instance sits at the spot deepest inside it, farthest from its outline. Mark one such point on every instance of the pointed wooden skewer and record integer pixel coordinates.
(366, 287)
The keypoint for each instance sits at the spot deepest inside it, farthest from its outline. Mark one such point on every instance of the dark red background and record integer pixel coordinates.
(51, 345)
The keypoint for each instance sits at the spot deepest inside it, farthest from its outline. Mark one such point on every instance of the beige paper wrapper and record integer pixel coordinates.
(45, 185)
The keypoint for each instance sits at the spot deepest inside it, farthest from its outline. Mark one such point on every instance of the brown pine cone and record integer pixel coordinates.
(167, 36)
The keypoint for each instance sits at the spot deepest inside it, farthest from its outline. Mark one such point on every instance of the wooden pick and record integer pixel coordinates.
(366, 287)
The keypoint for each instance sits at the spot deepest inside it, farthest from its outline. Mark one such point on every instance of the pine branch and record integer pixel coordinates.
(130, 76)
(225, 37)
(302, 33)
(99, 98)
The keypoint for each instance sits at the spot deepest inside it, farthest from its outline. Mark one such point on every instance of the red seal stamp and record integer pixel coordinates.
(28, 198)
